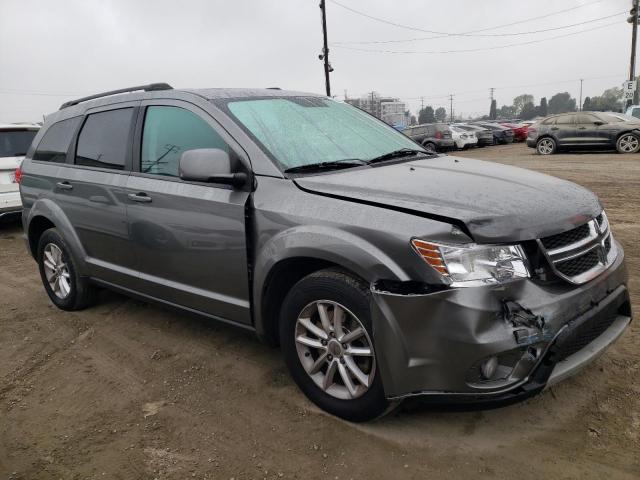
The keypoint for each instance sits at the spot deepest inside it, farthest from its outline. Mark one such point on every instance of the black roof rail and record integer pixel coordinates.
(147, 88)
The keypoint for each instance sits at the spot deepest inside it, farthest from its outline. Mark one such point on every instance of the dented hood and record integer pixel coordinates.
(496, 203)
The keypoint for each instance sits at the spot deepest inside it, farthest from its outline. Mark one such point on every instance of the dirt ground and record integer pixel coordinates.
(127, 390)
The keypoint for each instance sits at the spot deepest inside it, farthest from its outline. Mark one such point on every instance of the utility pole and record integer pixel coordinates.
(451, 107)
(491, 90)
(421, 103)
(325, 49)
(373, 109)
(634, 34)
(580, 104)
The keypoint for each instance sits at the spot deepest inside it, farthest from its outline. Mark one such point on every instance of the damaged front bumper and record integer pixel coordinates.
(438, 345)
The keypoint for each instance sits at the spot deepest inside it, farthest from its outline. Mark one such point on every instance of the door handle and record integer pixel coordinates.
(139, 197)
(64, 185)
(555, 128)
(582, 128)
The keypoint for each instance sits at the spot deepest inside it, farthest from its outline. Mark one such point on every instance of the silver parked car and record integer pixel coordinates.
(382, 270)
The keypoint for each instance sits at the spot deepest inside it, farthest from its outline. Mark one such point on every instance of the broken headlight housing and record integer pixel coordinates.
(472, 265)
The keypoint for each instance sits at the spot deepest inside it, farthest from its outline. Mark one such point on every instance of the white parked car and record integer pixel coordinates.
(15, 140)
(462, 138)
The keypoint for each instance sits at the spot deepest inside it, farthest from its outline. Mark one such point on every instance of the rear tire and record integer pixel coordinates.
(430, 147)
(546, 146)
(326, 339)
(66, 289)
(628, 143)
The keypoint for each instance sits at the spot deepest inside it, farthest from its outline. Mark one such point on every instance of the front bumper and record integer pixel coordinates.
(428, 344)
(531, 142)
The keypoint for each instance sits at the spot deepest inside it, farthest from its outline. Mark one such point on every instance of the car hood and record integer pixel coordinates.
(496, 203)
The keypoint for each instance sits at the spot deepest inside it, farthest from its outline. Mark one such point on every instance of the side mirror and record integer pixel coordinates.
(211, 165)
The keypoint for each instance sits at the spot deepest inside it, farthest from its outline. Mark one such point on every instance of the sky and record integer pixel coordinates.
(52, 51)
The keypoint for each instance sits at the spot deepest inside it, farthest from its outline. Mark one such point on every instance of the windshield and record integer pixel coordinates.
(15, 143)
(298, 131)
(617, 117)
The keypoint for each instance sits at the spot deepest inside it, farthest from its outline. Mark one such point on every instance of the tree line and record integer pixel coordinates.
(525, 108)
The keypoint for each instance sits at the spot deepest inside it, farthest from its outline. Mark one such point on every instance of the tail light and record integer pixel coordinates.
(438, 135)
(17, 175)
(531, 131)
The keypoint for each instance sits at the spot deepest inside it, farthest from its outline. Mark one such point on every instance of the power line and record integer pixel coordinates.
(469, 50)
(44, 94)
(512, 34)
(417, 29)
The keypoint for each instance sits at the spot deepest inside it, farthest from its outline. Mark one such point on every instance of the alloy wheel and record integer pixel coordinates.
(335, 350)
(56, 271)
(629, 143)
(545, 146)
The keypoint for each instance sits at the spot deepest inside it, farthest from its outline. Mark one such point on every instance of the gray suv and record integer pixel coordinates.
(434, 137)
(383, 271)
(571, 131)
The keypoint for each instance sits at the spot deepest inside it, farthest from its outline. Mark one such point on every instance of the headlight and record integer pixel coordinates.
(472, 265)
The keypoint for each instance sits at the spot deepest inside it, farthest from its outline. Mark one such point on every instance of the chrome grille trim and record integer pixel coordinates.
(599, 239)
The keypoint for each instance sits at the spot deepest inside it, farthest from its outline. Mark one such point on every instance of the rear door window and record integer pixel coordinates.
(565, 120)
(104, 139)
(15, 143)
(586, 119)
(56, 140)
(168, 133)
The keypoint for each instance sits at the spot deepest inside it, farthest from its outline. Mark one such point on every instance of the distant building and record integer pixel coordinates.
(388, 109)
(393, 112)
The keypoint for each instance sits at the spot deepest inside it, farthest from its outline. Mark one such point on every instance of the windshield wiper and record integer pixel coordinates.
(403, 152)
(337, 164)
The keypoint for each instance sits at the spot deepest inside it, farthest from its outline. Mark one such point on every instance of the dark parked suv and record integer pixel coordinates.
(585, 130)
(435, 137)
(383, 271)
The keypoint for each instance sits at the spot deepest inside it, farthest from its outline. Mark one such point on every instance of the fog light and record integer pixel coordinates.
(488, 368)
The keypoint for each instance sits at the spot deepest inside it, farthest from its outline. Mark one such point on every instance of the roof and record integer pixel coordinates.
(216, 93)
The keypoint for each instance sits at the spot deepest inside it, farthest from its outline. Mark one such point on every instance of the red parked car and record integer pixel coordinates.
(520, 131)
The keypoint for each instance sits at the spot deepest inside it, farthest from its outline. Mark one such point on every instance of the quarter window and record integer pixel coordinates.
(168, 133)
(55, 142)
(104, 139)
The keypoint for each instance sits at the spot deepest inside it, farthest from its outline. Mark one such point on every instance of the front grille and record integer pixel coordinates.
(583, 336)
(566, 238)
(582, 253)
(578, 265)
(599, 218)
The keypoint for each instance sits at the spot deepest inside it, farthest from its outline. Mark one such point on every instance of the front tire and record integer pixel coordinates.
(59, 274)
(546, 146)
(628, 143)
(326, 339)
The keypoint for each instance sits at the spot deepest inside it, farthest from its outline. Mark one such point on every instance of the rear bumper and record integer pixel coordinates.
(445, 144)
(431, 345)
(10, 204)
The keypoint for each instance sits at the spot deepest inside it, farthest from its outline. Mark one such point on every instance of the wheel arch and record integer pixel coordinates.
(45, 214)
(291, 256)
